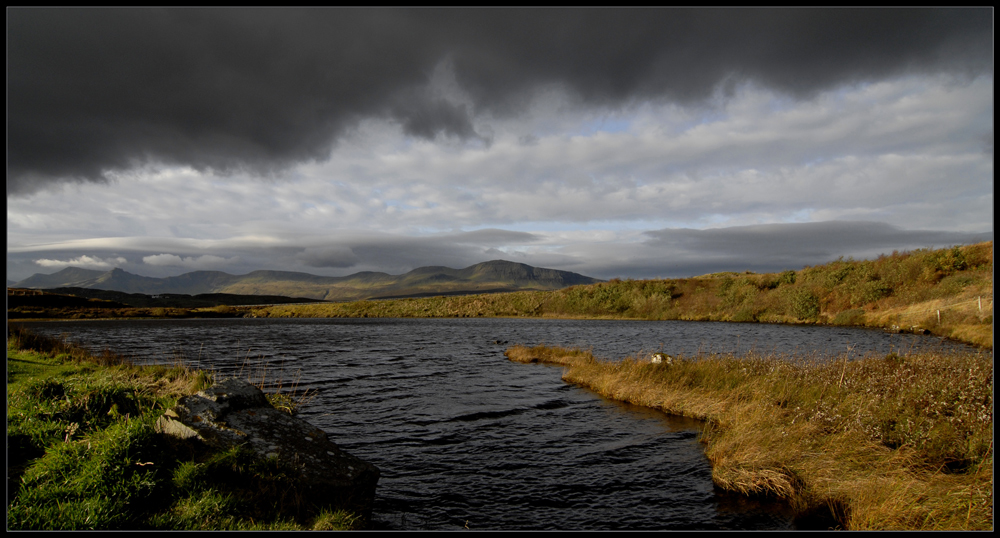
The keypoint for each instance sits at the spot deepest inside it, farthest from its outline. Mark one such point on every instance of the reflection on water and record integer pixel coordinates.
(466, 438)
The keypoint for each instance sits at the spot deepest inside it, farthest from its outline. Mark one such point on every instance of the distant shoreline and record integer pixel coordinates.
(947, 293)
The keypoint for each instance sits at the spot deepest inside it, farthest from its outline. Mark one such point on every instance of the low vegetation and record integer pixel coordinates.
(947, 292)
(885, 442)
(82, 453)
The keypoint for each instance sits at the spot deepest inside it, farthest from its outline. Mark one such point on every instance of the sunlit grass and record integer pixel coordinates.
(948, 292)
(894, 442)
(82, 452)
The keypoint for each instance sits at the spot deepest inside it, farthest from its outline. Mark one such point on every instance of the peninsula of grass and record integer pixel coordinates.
(884, 442)
(946, 292)
(82, 452)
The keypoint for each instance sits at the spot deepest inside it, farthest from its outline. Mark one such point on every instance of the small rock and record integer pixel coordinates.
(661, 358)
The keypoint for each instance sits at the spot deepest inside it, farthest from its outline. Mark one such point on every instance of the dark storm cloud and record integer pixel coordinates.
(95, 90)
(489, 237)
(427, 117)
(405, 253)
(335, 256)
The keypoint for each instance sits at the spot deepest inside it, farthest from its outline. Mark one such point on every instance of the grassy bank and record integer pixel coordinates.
(893, 442)
(947, 292)
(82, 453)
(29, 313)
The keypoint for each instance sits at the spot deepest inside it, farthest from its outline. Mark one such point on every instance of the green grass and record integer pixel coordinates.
(948, 292)
(82, 452)
(893, 442)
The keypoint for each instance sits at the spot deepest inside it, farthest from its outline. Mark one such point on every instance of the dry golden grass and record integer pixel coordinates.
(904, 290)
(548, 355)
(894, 442)
(967, 317)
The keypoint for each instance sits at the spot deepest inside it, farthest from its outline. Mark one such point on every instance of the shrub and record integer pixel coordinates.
(954, 284)
(869, 292)
(745, 315)
(838, 272)
(765, 282)
(805, 305)
(941, 263)
(786, 277)
(736, 293)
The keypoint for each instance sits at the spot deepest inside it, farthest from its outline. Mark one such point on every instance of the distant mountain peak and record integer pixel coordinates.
(491, 276)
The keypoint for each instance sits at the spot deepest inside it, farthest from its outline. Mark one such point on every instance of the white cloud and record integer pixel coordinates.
(907, 152)
(85, 262)
(206, 261)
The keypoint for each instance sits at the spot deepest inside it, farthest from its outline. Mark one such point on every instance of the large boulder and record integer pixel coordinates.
(235, 413)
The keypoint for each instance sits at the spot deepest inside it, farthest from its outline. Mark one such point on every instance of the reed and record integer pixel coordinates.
(549, 355)
(948, 292)
(259, 373)
(890, 442)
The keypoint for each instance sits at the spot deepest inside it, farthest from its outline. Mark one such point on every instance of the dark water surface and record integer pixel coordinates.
(464, 437)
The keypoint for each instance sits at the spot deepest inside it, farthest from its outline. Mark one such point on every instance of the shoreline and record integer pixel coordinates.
(84, 453)
(805, 434)
(979, 346)
(945, 292)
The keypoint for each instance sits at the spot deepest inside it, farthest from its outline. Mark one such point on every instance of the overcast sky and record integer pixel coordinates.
(628, 143)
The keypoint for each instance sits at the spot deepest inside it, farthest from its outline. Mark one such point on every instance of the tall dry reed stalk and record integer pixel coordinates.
(259, 373)
(893, 442)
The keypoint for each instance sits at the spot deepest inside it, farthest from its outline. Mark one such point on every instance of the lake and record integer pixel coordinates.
(465, 438)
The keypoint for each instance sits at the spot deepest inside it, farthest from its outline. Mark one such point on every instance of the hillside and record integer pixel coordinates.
(948, 292)
(494, 276)
(97, 298)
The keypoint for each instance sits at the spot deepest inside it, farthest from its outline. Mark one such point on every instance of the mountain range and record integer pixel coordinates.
(486, 277)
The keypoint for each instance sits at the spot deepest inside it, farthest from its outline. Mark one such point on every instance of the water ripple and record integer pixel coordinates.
(465, 437)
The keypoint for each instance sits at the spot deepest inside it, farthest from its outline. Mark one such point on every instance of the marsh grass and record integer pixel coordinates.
(549, 355)
(904, 290)
(889, 442)
(82, 452)
(284, 395)
(947, 292)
